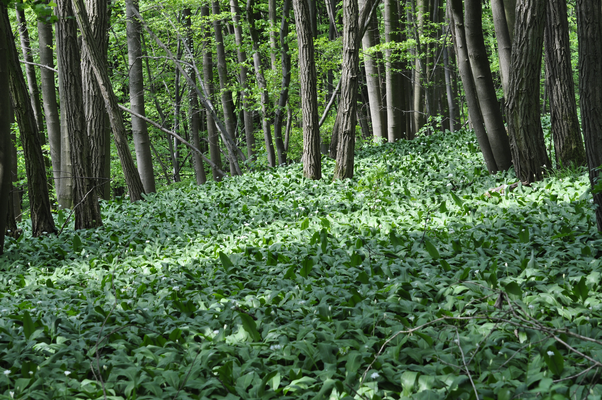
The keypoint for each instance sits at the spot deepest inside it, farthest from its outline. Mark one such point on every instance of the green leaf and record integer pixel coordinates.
(325, 223)
(77, 244)
(28, 325)
(362, 277)
(306, 266)
(432, 250)
(514, 291)
(305, 224)
(523, 235)
(456, 199)
(249, 325)
(226, 262)
(408, 381)
(141, 289)
(581, 289)
(554, 360)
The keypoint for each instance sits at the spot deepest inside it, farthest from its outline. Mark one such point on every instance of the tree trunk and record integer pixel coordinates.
(479, 62)
(504, 44)
(242, 59)
(524, 123)
(589, 32)
(226, 93)
(139, 127)
(130, 173)
(173, 142)
(39, 202)
(559, 77)
(51, 112)
(272, 32)
(451, 96)
(395, 95)
(259, 77)
(510, 11)
(212, 134)
(418, 99)
(87, 209)
(312, 167)
(5, 123)
(469, 87)
(285, 60)
(194, 115)
(349, 77)
(378, 112)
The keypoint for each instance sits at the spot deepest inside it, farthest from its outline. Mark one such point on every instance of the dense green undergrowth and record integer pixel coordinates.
(408, 281)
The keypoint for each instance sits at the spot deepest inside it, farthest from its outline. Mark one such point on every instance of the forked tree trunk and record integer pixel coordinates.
(524, 123)
(312, 167)
(559, 77)
(479, 62)
(589, 32)
(139, 127)
(39, 202)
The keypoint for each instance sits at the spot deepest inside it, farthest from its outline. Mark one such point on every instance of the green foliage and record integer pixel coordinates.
(405, 282)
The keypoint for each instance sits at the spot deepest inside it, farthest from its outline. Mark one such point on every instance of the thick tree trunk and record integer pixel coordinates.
(474, 110)
(378, 112)
(395, 95)
(87, 209)
(226, 93)
(212, 134)
(132, 178)
(194, 115)
(524, 123)
(39, 202)
(589, 32)
(285, 60)
(51, 111)
(504, 43)
(492, 115)
(349, 77)
(139, 127)
(97, 123)
(312, 167)
(259, 77)
(242, 59)
(559, 78)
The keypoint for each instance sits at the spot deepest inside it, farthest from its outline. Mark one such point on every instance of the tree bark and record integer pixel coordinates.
(53, 127)
(510, 11)
(559, 77)
(132, 178)
(524, 123)
(242, 59)
(259, 77)
(589, 32)
(479, 62)
(87, 209)
(5, 122)
(39, 202)
(349, 77)
(285, 60)
(474, 110)
(378, 112)
(30, 71)
(504, 43)
(272, 32)
(312, 167)
(396, 123)
(139, 127)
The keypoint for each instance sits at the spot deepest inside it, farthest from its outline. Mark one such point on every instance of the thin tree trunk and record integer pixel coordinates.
(504, 44)
(418, 101)
(312, 167)
(559, 78)
(345, 153)
(395, 95)
(30, 71)
(589, 32)
(510, 11)
(51, 112)
(524, 122)
(469, 87)
(226, 93)
(492, 116)
(273, 30)
(139, 127)
(5, 123)
(242, 58)
(132, 178)
(173, 142)
(451, 99)
(259, 77)
(285, 60)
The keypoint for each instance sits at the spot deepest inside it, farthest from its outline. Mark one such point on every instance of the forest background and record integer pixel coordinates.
(213, 91)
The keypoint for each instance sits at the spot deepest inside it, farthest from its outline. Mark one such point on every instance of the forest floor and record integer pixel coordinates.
(409, 281)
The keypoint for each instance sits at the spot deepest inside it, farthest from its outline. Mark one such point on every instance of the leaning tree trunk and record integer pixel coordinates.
(39, 202)
(87, 209)
(312, 167)
(589, 32)
(139, 127)
(132, 179)
(349, 76)
(492, 115)
(285, 60)
(53, 127)
(559, 77)
(522, 106)
(504, 43)
(396, 123)
(474, 111)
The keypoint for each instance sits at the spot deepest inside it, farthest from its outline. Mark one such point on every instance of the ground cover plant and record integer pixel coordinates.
(413, 280)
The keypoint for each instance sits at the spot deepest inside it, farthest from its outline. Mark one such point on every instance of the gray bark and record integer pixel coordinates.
(504, 43)
(285, 60)
(5, 123)
(396, 123)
